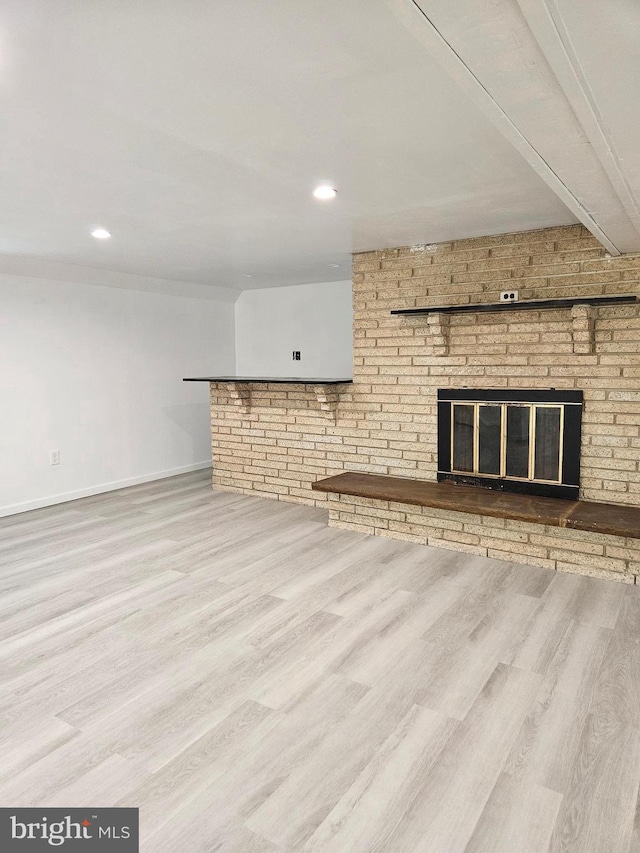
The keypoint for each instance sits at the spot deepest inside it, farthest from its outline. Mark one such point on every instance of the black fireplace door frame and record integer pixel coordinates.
(572, 403)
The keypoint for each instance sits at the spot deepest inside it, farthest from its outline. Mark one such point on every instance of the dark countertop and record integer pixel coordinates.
(287, 380)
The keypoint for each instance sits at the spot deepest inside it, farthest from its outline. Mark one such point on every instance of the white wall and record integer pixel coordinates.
(316, 319)
(96, 372)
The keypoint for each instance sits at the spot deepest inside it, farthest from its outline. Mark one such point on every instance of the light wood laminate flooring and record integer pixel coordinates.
(255, 681)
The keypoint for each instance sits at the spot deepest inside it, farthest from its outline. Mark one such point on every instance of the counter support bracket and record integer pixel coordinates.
(240, 396)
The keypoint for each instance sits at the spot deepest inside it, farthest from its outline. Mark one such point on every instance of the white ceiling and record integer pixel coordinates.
(195, 132)
(559, 78)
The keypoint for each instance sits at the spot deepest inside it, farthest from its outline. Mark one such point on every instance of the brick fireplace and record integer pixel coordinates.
(386, 422)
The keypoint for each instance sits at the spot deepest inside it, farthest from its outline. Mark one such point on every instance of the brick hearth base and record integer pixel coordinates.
(577, 551)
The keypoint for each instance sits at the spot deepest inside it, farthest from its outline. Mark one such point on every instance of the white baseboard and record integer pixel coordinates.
(13, 509)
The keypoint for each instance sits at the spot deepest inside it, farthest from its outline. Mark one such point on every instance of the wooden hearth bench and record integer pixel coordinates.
(602, 518)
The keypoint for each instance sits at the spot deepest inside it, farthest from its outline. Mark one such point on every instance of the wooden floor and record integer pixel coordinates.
(255, 681)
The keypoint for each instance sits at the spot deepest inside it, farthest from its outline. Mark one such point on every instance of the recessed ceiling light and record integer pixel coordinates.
(334, 266)
(324, 191)
(101, 233)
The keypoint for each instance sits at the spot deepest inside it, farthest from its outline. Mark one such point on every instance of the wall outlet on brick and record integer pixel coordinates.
(509, 296)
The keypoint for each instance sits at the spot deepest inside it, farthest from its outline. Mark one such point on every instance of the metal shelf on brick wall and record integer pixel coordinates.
(531, 305)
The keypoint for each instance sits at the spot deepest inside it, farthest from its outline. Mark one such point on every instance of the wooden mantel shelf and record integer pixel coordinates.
(531, 305)
(590, 516)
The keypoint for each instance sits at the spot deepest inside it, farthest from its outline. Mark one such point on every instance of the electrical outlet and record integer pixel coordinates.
(509, 296)
(54, 457)
(296, 355)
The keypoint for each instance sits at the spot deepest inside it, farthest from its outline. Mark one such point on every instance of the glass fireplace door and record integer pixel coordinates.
(518, 433)
(520, 441)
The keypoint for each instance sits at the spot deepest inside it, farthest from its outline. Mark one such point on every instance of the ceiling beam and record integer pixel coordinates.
(514, 61)
(547, 24)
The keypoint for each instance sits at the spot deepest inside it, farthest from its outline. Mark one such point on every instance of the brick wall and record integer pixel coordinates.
(386, 421)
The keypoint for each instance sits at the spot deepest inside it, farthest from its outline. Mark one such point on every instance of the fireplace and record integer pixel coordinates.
(525, 441)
